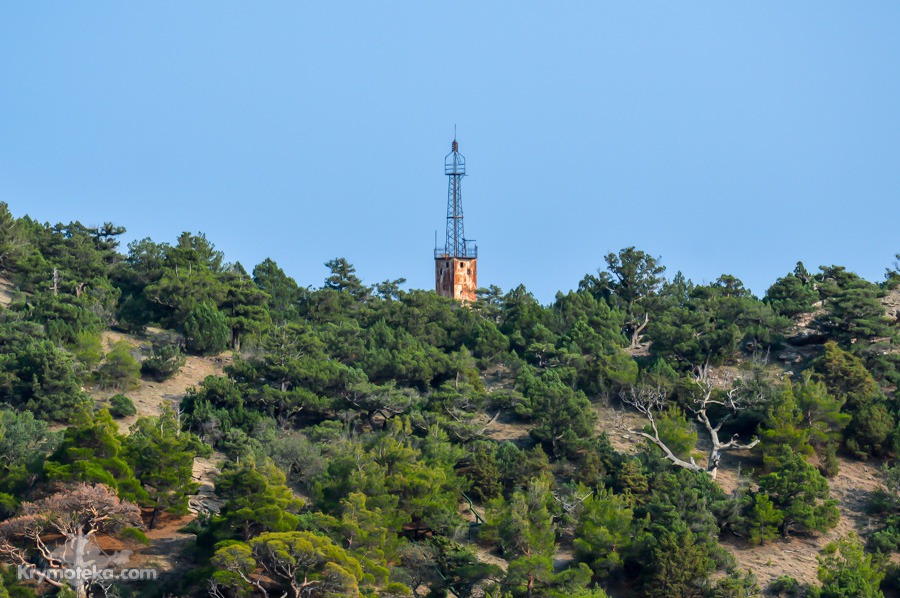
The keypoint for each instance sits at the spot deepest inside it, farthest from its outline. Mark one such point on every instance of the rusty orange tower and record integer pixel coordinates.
(456, 263)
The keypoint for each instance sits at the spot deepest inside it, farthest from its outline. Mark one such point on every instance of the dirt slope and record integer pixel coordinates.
(150, 396)
(7, 291)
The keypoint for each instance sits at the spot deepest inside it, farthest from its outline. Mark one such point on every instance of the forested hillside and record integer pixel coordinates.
(637, 437)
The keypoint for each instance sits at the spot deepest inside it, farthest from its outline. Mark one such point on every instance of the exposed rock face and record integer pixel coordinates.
(891, 303)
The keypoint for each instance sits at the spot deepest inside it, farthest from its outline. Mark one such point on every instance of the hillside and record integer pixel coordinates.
(642, 436)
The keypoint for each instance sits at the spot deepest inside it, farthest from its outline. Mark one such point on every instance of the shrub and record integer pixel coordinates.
(206, 329)
(121, 406)
(119, 368)
(763, 520)
(786, 586)
(846, 570)
(163, 363)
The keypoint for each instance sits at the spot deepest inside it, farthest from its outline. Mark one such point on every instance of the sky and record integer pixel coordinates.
(721, 137)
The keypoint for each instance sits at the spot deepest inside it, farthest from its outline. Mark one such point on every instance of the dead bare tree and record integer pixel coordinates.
(570, 501)
(637, 333)
(712, 407)
(60, 528)
(650, 400)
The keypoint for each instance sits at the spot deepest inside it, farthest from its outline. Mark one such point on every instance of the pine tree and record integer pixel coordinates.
(119, 368)
(847, 378)
(522, 525)
(343, 279)
(256, 500)
(604, 531)
(794, 294)
(299, 563)
(853, 311)
(679, 566)
(563, 417)
(799, 490)
(763, 520)
(282, 292)
(207, 329)
(11, 241)
(92, 451)
(821, 412)
(245, 310)
(162, 457)
(783, 425)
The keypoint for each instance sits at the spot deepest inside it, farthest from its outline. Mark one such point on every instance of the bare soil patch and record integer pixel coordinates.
(507, 428)
(7, 291)
(617, 422)
(150, 396)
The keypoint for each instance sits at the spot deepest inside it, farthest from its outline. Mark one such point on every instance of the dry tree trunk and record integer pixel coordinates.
(736, 398)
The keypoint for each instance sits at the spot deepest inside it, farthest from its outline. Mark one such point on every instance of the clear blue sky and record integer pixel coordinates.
(724, 138)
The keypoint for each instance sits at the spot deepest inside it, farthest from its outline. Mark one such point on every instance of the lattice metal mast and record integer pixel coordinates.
(455, 168)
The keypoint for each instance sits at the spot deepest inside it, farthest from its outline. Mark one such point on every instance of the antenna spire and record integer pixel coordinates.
(455, 169)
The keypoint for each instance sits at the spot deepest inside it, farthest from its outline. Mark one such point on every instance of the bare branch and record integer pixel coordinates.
(649, 400)
(65, 522)
(735, 395)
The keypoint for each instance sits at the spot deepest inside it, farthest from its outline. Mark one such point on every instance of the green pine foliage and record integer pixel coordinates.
(605, 532)
(245, 309)
(784, 426)
(793, 294)
(821, 411)
(847, 379)
(119, 368)
(679, 565)
(92, 451)
(11, 239)
(676, 431)
(37, 375)
(381, 441)
(162, 458)
(763, 520)
(852, 307)
(523, 525)
(164, 362)
(256, 501)
(563, 417)
(846, 570)
(121, 406)
(206, 329)
(797, 489)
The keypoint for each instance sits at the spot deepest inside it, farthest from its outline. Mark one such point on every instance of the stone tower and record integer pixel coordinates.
(456, 263)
